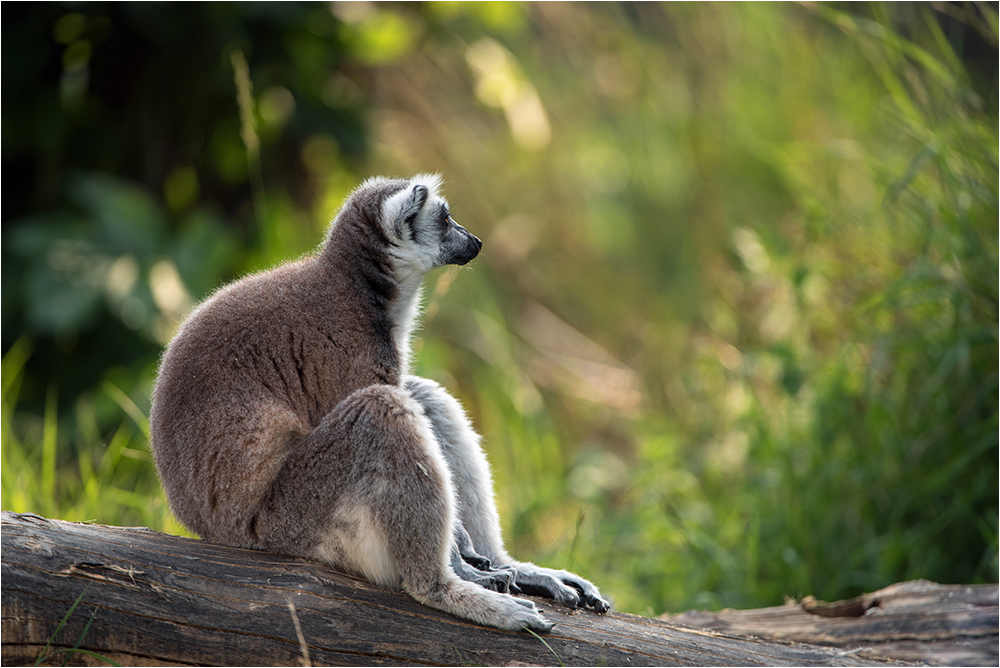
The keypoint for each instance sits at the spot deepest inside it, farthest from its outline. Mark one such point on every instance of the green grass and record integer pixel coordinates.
(46, 656)
(66, 468)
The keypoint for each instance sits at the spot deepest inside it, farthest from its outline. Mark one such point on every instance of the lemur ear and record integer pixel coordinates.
(419, 195)
(411, 207)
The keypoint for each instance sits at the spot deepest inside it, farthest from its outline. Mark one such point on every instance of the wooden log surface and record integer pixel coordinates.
(941, 625)
(146, 598)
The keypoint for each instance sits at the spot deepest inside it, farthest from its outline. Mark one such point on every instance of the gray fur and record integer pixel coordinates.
(284, 419)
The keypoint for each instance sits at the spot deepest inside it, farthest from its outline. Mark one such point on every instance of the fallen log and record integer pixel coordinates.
(942, 625)
(87, 594)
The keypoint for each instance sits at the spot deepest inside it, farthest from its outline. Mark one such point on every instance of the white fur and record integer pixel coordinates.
(468, 464)
(363, 549)
(392, 208)
(470, 472)
(412, 259)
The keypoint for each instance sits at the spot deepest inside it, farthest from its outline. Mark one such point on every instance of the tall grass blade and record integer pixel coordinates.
(50, 438)
(127, 405)
(547, 646)
(13, 363)
(248, 131)
(87, 652)
(62, 623)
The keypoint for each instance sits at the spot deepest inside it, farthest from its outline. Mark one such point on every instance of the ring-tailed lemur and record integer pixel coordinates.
(284, 419)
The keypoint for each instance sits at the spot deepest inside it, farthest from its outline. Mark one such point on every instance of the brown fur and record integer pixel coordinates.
(257, 367)
(283, 419)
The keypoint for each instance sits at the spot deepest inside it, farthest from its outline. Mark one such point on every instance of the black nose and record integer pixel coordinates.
(470, 249)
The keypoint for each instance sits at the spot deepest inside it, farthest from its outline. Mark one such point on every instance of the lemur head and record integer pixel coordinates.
(423, 233)
(390, 232)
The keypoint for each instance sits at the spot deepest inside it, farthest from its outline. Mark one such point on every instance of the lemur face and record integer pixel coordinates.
(422, 228)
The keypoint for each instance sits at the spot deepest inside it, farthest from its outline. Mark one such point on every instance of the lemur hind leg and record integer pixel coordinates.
(476, 506)
(388, 510)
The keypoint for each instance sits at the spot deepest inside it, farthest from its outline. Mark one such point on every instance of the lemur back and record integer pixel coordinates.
(260, 363)
(284, 419)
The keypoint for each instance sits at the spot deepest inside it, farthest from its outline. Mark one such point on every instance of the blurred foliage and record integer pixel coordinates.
(733, 335)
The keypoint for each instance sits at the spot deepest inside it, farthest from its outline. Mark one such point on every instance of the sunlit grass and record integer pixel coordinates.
(109, 479)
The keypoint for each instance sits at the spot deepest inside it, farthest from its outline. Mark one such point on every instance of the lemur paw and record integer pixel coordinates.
(589, 596)
(533, 619)
(515, 614)
(563, 587)
(501, 581)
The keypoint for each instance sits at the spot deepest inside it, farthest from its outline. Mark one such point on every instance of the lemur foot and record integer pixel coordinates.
(563, 587)
(501, 581)
(477, 569)
(535, 620)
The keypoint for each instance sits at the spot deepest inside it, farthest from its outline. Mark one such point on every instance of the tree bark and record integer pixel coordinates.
(145, 598)
(941, 625)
